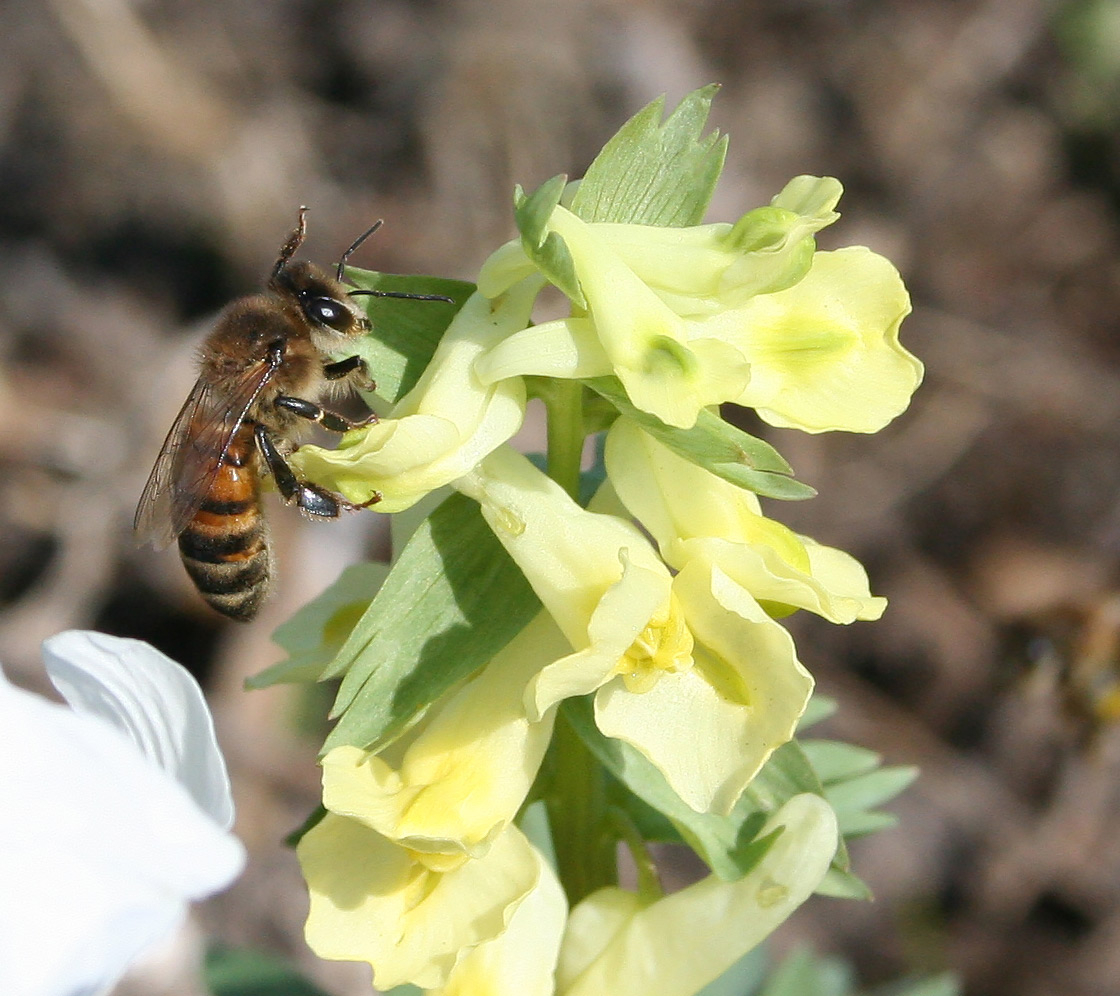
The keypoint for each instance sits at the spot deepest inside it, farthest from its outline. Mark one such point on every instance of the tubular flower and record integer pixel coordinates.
(748, 313)
(411, 916)
(615, 944)
(455, 782)
(692, 513)
(710, 268)
(670, 366)
(448, 421)
(702, 269)
(690, 670)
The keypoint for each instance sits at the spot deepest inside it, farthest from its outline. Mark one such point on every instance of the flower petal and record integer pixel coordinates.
(153, 700)
(612, 946)
(568, 349)
(824, 353)
(468, 767)
(622, 613)
(710, 729)
(667, 367)
(691, 513)
(371, 901)
(521, 961)
(569, 555)
(101, 851)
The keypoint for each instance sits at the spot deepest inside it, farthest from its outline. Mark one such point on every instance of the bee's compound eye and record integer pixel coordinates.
(329, 312)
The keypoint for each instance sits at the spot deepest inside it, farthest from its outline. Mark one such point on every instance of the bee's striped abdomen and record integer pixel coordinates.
(225, 546)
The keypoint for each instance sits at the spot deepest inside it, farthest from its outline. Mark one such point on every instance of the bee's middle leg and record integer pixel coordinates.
(313, 501)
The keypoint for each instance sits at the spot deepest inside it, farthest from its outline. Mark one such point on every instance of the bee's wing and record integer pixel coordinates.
(192, 454)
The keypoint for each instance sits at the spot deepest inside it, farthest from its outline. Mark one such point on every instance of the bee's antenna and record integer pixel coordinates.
(357, 242)
(380, 293)
(295, 240)
(411, 297)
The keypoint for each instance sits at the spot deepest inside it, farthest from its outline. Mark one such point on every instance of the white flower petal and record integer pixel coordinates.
(153, 700)
(99, 852)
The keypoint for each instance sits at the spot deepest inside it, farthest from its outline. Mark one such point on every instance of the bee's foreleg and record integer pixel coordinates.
(313, 501)
(350, 365)
(313, 413)
(340, 368)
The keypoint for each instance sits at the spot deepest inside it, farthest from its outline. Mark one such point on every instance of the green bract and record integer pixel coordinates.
(554, 665)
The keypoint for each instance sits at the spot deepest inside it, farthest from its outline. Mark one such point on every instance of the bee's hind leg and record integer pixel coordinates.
(313, 501)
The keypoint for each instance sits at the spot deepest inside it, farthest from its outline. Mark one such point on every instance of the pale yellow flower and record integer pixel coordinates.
(678, 944)
(691, 513)
(824, 354)
(670, 366)
(520, 961)
(410, 917)
(452, 784)
(689, 670)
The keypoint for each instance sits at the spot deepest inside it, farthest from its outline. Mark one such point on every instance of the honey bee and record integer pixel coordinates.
(268, 355)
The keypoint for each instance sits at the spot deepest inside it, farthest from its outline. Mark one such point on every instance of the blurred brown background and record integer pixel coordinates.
(153, 155)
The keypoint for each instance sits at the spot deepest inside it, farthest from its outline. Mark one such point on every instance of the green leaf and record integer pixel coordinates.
(451, 601)
(834, 760)
(652, 824)
(546, 249)
(804, 974)
(237, 972)
(855, 783)
(651, 173)
(787, 773)
(715, 445)
(843, 885)
(314, 635)
(405, 333)
(853, 799)
(820, 707)
(729, 845)
(945, 984)
(743, 977)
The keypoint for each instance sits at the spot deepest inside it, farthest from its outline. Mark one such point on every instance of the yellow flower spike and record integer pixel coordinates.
(706, 703)
(824, 353)
(678, 944)
(521, 961)
(459, 778)
(447, 423)
(372, 901)
(693, 514)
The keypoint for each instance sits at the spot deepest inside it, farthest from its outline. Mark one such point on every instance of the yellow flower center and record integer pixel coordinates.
(665, 644)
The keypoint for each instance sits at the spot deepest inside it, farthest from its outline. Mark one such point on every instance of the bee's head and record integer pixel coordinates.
(323, 302)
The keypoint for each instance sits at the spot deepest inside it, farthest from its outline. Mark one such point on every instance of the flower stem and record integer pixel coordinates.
(564, 402)
(578, 816)
(649, 882)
